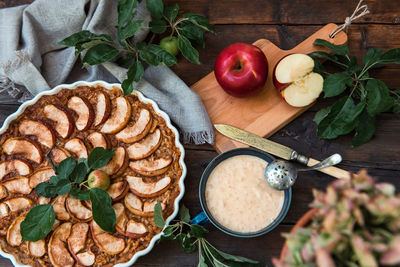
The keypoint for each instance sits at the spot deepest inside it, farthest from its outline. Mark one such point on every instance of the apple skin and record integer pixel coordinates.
(99, 179)
(241, 69)
(279, 86)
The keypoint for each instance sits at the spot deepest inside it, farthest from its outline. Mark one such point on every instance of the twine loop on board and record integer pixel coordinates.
(360, 11)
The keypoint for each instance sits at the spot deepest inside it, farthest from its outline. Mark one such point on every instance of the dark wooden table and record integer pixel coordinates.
(286, 23)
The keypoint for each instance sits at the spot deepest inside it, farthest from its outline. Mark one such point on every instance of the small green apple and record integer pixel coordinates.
(170, 44)
(99, 179)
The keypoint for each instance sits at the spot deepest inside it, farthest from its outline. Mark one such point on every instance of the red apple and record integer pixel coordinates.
(99, 179)
(295, 81)
(241, 69)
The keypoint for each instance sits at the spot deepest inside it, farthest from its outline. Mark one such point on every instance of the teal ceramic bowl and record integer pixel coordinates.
(206, 214)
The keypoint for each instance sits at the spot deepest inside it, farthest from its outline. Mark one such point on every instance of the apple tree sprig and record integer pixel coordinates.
(184, 32)
(71, 177)
(363, 97)
(191, 236)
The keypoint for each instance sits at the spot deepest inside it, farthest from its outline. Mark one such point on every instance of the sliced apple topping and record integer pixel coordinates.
(23, 146)
(86, 258)
(143, 189)
(41, 175)
(138, 130)
(58, 253)
(43, 200)
(60, 210)
(145, 147)
(37, 249)
(14, 237)
(150, 167)
(84, 111)
(119, 117)
(58, 154)
(18, 204)
(77, 239)
(4, 210)
(103, 108)
(77, 210)
(63, 121)
(136, 206)
(15, 166)
(148, 206)
(118, 190)
(108, 243)
(3, 192)
(118, 163)
(77, 147)
(135, 229)
(42, 132)
(18, 185)
(122, 219)
(97, 140)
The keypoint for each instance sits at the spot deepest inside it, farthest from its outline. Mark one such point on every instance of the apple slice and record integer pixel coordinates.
(148, 207)
(136, 206)
(122, 219)
(138, 130)
(3, 192)
(108, 243)
(63, 121)
(142, 189)
(128, 227)
(76, 146)
(18, 167)
(77, 239)
(118, 190)
(120, 116)
(18, 185)
(41, 175)
(97, 140)
(4, 210)
(77, 210)
(41, 131)
(60, 210)
(294, 79)
(118, 163)
(26, 147)
(58, 154)
(43, 200)
(84, 111)
(37, 249)
(58, 253)
(18, 204)
(103, 108)
(135, 229)
(145, 147)
(86, 258)
(14, 237)
(150, 167)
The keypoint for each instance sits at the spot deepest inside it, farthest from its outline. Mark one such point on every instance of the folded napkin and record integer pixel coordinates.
(30, 56)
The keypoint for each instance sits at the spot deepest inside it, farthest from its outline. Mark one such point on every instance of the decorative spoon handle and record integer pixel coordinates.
(330, 161)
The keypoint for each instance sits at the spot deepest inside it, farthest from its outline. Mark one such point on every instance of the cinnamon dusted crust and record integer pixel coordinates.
(153, 157)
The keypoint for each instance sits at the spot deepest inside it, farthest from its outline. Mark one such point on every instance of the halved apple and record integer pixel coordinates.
(37, 249)
(76, 146)
(23, 146)
(143, 189)
(97, 140)
(149, 167)
(118, 163)
(14, 237)
(76, 243)
(120, 116)
(41, 175)
(4, 194)
(58, 253)
(108, 243)
(60, 210)
(136, 206)
(295, 81)
(58, 154)
(118, 190)
(103, 108)
(41, 131)
(77, 210)
(62, 119)
(18, 185)
(145, 147)
(138, 130)
(18, 167)
(84, 110)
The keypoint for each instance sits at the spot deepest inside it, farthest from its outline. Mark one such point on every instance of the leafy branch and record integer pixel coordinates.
(364, 97)
(184, 32)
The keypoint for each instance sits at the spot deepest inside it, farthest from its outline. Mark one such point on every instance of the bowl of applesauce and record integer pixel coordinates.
(235, 197)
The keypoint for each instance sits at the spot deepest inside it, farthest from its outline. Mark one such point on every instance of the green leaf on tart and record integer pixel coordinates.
(99, 157)
(103, 212)
(187, 50)
(79, 173)
(65, 167)
(158, 216)
(170, 12)
(38, 223)
(156, 8)
(336, 49)
(99, 54)
(335, 84)
(79, 193)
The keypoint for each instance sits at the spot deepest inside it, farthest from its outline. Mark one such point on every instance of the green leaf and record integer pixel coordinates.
(79, 173)
(122, 61)
(326, 56)
(158, 216)
(202, 261)
(125, 11)
(184, 214)
(156, 8)
(321, 114)
(63, 186)
(372, 57)
(130, 29)
(99, 157)
(192, 32)
(187, 50)
(155, 55)
(198, 230)
(378, 98)
(103, 212)
(99, 54)
(200, 21)
(135, 73)
(46, 189)
(318, 67)
(365, 129)
(65, 167)
(391, 56)
(38, 223)
(336, 49)
(79, 194)
(336, 83)
(158, 26)
(170, 12)
(84, 36)
(82, 46)
(187, 245)
(341, 118)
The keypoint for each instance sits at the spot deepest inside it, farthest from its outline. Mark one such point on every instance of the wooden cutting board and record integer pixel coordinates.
(266, 112)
